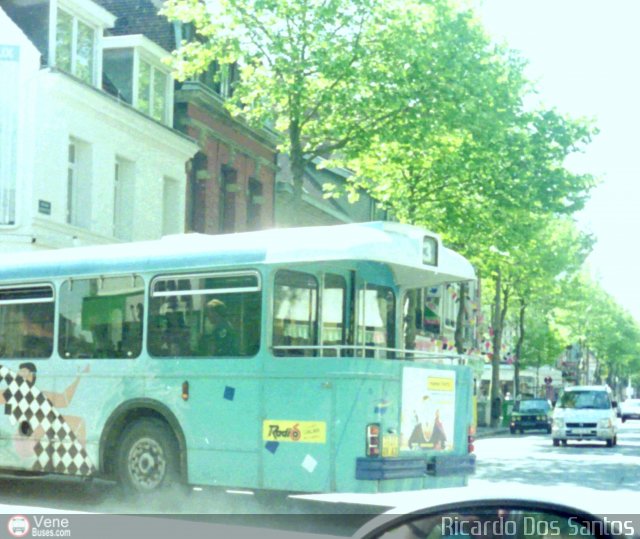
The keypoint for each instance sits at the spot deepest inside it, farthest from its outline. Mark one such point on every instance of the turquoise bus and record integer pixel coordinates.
(262, 360)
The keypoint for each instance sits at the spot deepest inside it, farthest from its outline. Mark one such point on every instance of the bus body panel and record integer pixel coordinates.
(290, 423)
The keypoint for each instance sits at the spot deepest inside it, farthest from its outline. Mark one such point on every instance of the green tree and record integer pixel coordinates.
(321, 72)
(601, 327)
(552, 254)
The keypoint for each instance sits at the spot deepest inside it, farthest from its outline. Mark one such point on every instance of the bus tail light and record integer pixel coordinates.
(373, 440)
(185, 391)
(471, 433)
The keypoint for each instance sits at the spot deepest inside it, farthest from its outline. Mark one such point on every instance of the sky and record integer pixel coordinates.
(584, 56)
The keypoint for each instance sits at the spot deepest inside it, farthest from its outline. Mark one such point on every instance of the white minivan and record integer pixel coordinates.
(585, 413)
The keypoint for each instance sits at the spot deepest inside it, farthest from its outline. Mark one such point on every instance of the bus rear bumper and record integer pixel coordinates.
(375, 469)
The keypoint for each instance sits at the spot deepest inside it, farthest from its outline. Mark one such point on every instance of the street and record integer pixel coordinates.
(506, 463)
(532, 460)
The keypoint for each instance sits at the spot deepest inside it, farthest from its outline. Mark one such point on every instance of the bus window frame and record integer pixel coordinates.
(101, 278)
(53, 299)
(205, 273)
(360, 347)
(204, 291)
(315, 349)
(344, 311)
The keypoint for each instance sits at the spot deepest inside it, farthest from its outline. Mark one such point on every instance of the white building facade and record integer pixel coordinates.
(78, 165)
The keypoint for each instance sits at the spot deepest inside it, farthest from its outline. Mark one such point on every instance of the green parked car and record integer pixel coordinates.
(531, 414)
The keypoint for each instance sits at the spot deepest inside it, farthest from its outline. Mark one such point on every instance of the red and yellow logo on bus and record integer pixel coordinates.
(310, 432)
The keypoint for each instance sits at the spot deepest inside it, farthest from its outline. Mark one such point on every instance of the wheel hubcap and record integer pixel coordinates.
(147, 464)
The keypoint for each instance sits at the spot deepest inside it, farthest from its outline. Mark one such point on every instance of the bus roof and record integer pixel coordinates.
(399, 246)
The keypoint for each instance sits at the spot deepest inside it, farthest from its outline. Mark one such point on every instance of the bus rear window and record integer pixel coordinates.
(376, 320)
(206, 315)
(334, 301)
(26, 321)
(101, 318)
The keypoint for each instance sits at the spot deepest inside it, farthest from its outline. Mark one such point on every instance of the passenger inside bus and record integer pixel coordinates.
(219, 337)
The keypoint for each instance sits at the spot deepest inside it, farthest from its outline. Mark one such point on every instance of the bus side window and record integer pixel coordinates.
(101, 318)
(295, 314)
(208, 315)
(26, 321)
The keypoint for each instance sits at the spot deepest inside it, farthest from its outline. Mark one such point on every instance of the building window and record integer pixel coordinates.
(9, 99)
(221, 79)
(26, 321)
(78, 207)
(152, 91)
(72, 179)
(75, 46)
(227, 199)
(450, 305)
(214, 315)
(133, 71)
(254, 205)
(197, 194)
(171, 216)
(123, 198)
(101, 318)
(117, 77)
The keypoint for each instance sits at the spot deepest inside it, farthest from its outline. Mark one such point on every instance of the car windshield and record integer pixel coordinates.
(597, 400)
(531, 406)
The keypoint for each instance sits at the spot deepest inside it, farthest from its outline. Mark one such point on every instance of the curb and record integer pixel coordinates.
(491, 433)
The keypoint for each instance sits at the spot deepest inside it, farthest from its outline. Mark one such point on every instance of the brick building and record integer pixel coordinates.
(230, 184)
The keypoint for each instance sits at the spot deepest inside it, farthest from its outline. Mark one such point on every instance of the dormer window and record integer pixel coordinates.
(152, 90)
(76, 32)
(75, 47)
(134, 72)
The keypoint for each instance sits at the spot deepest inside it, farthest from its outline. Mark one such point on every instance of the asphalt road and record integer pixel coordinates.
(531, 459)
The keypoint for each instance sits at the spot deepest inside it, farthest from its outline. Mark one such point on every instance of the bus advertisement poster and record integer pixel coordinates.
(428, 409)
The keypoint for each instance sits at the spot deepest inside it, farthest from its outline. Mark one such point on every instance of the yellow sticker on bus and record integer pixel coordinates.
(390, 445)
(310, 432)
(440, 384)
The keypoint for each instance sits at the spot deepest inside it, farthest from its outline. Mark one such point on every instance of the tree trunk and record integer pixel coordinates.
(459, 334)
(516, 362)
(496, 398)
(297, 159)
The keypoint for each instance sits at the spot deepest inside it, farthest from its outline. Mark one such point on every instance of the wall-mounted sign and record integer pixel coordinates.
(44, 206)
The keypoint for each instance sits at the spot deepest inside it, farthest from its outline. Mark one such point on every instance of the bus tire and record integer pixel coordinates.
(147, 458)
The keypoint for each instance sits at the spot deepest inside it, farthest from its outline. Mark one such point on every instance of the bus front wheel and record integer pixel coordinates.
(147, 458)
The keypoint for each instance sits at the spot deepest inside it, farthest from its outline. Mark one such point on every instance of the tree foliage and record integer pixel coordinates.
(415, 98)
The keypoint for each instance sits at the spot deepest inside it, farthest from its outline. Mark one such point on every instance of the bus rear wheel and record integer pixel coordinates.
(147, 458)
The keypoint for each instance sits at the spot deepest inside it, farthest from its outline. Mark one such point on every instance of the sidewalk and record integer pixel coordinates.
(490, 432)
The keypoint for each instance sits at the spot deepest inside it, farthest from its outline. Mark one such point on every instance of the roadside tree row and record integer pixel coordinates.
(434, 120)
